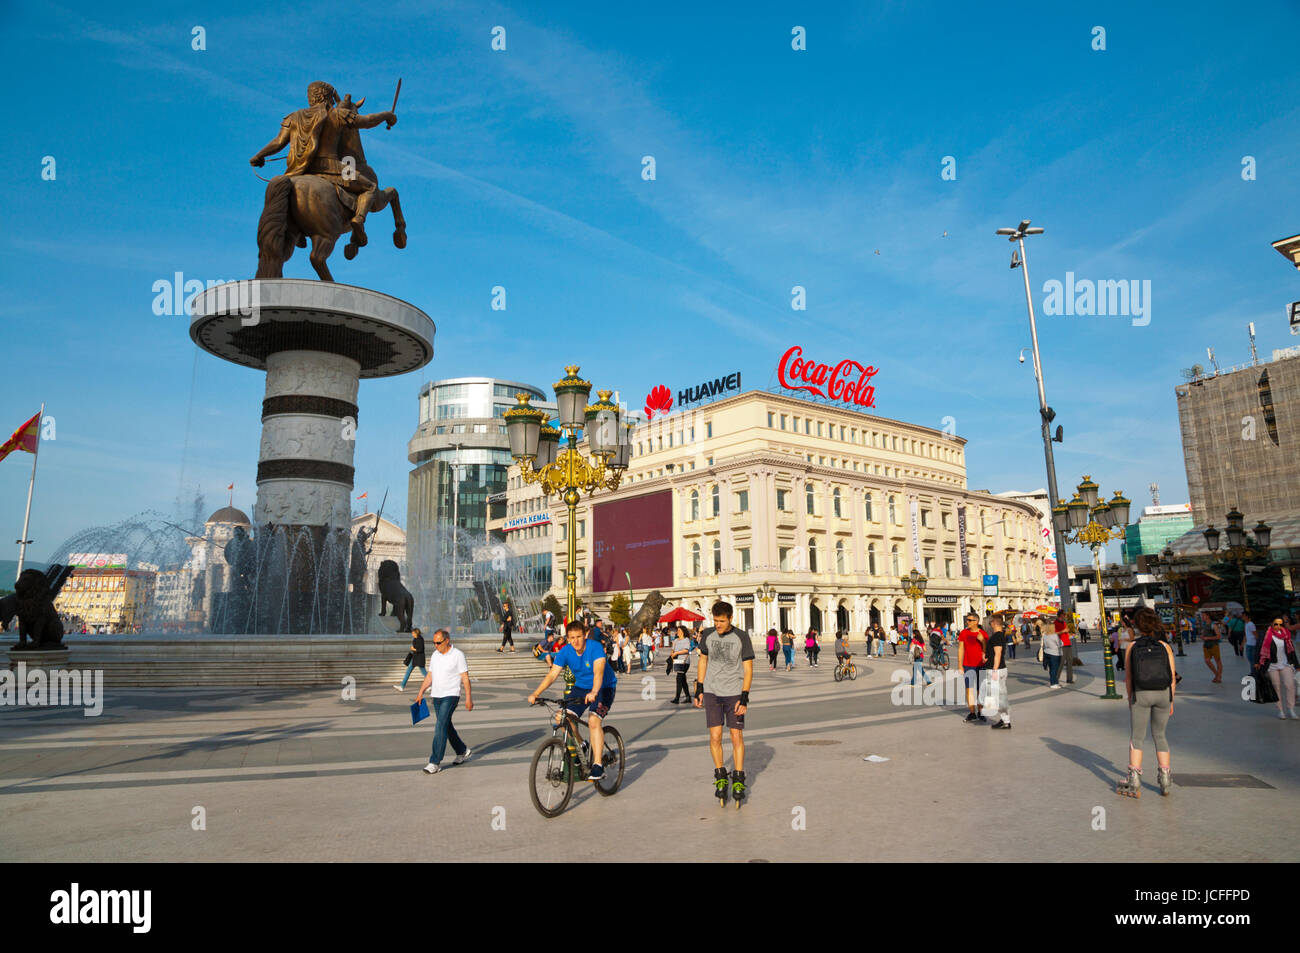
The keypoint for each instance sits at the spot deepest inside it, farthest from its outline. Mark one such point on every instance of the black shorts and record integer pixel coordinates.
(720, 710)
(576, 701)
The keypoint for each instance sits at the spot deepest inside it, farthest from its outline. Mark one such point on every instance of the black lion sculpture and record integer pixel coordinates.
(392, 592)
(647, 617)
(35, 592)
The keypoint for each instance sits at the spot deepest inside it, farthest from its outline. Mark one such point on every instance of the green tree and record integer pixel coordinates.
(1268, 596)
(620, 609)
(552, 605)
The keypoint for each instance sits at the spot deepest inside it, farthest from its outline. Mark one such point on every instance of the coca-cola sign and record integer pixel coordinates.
(847, 381)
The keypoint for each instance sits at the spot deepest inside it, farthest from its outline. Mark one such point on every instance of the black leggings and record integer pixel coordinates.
(506, 637)
(682, 687)
(771, 656)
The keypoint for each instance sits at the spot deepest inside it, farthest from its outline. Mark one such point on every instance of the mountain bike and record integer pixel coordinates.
(565, 757)
(939, 658)
(846, 669)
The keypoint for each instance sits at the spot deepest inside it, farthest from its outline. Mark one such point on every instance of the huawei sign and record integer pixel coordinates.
(847, 381)
(660, 399)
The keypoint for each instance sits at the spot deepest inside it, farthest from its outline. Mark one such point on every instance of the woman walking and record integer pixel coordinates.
(787, 647)
(644, 644)
(1052, 657)
(416, 657)
(916, 648)
(1277, 657)
(1149, 678)
(771, 648)
(811, 648)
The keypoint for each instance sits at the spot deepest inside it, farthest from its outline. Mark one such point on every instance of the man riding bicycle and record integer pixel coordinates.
(586, 659)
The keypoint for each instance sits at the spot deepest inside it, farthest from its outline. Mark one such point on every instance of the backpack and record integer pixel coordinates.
(1151, 668)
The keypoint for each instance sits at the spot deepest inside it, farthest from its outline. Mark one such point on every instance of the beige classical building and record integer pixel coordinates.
(827, 506)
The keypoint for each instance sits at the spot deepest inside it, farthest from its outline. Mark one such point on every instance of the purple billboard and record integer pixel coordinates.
(633, 536)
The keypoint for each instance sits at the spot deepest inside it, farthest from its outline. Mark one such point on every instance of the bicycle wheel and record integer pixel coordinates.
(550, 777)
(853, 672)
(612, 762)
(839, 673)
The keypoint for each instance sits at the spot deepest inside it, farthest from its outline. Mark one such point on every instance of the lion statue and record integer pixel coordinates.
(392, 592)
(647, 617)
(34, 592)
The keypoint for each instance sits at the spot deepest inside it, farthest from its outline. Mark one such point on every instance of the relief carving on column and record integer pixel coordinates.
(312, 372)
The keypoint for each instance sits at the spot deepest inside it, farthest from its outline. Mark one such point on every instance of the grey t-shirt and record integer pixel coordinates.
(683, 661)
(725, 673)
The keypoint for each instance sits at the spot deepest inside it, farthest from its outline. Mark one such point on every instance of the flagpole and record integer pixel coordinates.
(27, 516)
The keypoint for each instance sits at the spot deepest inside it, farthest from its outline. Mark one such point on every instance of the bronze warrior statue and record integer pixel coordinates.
(327, 188)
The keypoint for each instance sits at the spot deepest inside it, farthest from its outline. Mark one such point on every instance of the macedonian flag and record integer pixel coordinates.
(24, 438)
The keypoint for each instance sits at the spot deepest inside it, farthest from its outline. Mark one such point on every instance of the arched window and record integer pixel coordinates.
(812, 554)
(871, 559)
(870, 517)
(893, 561)
(695, 559)
(717, 556)
(835, 502)
(717, 501)
(893, 517)
(695, 505)
(811, 498)
(839, 556)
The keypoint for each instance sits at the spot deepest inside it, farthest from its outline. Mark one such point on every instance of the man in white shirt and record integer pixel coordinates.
(448, 674)
(1252, 641)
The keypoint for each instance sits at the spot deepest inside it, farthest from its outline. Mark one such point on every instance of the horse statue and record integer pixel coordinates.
(327, 189)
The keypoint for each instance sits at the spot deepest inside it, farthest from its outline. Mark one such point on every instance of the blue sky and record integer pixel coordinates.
(775, 168)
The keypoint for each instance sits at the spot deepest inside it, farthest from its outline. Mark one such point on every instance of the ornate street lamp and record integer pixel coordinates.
(1093, 525)
(766, 593)
(914, 584)
(535, 446)
(1173, 571)
(1241, 547)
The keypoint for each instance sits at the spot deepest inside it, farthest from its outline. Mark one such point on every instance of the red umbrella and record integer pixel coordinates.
(681, 615)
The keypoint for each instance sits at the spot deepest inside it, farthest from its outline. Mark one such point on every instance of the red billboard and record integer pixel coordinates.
(633, 535)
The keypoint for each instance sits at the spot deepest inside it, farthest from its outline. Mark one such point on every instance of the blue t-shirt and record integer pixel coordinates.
(581, 665)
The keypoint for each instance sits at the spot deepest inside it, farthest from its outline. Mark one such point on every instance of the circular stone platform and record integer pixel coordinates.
(245, 321)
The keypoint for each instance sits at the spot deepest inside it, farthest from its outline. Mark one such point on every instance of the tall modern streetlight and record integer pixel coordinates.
(1046, 415)
(535, 447)
(1094, 524)
(455, 535)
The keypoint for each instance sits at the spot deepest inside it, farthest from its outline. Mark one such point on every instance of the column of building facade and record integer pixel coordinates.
(761, 515)
(724, 522)
(859, 548)
(800, 511)
(828, 520)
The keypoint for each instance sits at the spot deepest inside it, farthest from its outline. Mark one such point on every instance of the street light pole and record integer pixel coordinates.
(455, 541)
(1046, 416)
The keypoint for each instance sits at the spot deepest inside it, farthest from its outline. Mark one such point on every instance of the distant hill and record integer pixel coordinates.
(9, 571)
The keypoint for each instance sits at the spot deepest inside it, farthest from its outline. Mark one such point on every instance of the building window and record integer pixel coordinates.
(812, 554)
(893, 561)
(835, 502)
(984, 562)
(929, 566)
(717, 556)
(925, 518)
(839, 556)
(867, 500)
(810, 498)
(893, 514)
(716, 499)
(708, 428)
(780, 500)
(770, 417)
(783, 421)
(695, 505)
(582, 529)
(783, 558)
(946, 518)
(871, 559)
(807, 425)
(947, 568)
(695, 559)
(819, 428)
(742, 501)
(984, 526)
(744, 558)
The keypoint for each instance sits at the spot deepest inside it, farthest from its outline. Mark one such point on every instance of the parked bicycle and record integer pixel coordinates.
(565, 757)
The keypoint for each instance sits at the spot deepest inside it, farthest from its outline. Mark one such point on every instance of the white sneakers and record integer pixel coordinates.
(1293, 714)
(399, 688)
(462, 758)
(432, 768)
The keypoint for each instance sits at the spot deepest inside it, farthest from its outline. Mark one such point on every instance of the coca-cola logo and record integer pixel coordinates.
(847, 381)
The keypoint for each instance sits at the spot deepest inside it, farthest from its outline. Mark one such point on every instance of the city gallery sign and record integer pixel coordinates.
(848, 381)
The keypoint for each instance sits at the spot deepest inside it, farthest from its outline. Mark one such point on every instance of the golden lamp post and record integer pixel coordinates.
(1093, 524)
(535, 446)
(914, 584)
